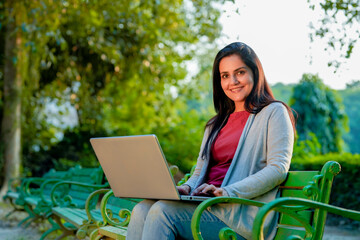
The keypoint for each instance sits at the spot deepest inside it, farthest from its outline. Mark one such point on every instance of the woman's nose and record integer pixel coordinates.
(234, 79)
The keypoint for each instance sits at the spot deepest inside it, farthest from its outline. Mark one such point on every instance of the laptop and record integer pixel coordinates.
(135, 167)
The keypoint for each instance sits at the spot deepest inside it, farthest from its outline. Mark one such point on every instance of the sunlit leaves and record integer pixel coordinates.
(339, 25)
(119, 64)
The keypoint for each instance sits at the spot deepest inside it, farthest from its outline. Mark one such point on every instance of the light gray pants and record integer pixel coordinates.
(170, 220)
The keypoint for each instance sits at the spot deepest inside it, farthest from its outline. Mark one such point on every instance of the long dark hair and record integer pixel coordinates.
(259, 97)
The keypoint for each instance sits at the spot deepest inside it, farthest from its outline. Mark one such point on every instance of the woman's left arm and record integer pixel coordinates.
(279, 147)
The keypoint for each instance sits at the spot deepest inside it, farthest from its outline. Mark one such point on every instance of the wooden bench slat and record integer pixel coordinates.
(299, 178)
(113, 232)
(75, 216)
(292, 193)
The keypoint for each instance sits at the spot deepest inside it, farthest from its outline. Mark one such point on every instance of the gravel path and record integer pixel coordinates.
(339, 233)
(10, 231)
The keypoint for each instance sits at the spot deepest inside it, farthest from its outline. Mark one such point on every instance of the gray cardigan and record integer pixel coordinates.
(260, 164)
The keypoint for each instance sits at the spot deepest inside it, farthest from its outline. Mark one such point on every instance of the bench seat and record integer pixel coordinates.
(112, 232)
(76, 216)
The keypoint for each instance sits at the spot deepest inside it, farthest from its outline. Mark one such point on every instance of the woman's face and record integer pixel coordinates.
(237, 80)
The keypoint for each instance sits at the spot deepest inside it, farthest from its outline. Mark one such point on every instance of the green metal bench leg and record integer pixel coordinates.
(11, 212)
(64, 234)
(35, 218)
(85, 230)
(66, 231)
(53, 229)
(95, 235)
(25, 220)
(29, 219)
(16, 208)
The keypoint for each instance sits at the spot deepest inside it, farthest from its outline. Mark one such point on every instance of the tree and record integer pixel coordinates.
(15, 61)
(339, 25)
(354, 84)
(116, 62)
(320, 111)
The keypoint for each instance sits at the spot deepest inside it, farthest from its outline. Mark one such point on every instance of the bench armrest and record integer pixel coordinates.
(226, 232)
(121, 206)
(81, 233)
(60, 195)
(89, 204)
(47, 184)
(281, 205)
(107, 213)
(24, 187)
(39, 181)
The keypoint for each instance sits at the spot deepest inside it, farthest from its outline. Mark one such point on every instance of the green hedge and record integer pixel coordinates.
(346, 187)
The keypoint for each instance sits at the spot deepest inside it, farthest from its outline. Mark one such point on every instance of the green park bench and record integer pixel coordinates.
(303, 207)
(57, 191)
(19, 188)
(112, 213)
(303, 190)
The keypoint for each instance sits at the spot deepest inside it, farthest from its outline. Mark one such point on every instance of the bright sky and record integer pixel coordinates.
(278, 32)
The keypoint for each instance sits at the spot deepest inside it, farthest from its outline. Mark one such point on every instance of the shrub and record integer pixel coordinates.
(346, 187)
(307, 148)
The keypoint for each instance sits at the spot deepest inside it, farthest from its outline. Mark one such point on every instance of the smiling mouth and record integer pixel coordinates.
(238, 89)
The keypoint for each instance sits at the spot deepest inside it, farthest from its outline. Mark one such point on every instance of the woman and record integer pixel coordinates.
(246, 152)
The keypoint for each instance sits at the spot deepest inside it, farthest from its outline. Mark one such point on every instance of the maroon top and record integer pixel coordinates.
(223, 150)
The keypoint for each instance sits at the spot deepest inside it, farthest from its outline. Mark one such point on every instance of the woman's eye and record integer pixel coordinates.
(241, 72)
(224, 76)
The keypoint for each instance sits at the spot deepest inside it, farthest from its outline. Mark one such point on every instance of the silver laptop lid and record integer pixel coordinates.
(135, 167)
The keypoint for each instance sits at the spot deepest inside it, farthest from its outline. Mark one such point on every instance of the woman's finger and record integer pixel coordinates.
(199, 189)
(219, 192)
(209, 189)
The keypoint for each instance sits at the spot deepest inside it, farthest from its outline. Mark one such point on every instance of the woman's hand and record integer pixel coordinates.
(209, 190)
(184, 189)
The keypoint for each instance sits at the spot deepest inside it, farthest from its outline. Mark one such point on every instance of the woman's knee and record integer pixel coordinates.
(141, 209)
(170, 210)
(160, 209)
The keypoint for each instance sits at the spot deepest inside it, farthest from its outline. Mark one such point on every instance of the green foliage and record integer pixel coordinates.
(307, 148)
(73, 149)
(338, 25)
(121, 65)
(351, 99)
(346, 186)
(319, 111)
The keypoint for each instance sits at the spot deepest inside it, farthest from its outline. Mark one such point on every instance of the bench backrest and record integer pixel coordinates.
(52, 176)
(92, 176)
(75, 195)
(293, 187)
(312, 185)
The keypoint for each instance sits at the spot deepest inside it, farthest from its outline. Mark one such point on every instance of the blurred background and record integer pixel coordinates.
(75, 69)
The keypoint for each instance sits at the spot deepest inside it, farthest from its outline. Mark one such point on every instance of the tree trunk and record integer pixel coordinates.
(13, 78)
